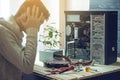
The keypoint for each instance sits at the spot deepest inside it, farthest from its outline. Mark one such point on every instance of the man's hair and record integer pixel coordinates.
(30, 3)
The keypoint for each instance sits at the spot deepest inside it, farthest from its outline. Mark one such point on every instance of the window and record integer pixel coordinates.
(54, 17)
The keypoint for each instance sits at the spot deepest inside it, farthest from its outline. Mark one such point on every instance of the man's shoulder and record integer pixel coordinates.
(5, 25)
(2, 28)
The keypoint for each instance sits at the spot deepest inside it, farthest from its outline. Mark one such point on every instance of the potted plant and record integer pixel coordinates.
(51, 36)
(50, 40)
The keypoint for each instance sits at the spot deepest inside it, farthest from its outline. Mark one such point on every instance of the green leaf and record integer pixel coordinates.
(50, 34)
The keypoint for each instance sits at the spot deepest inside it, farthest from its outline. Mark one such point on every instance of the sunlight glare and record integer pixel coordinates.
(4, 7)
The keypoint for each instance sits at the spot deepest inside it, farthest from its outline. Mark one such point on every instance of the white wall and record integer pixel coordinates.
(53, 7)
(76, 5)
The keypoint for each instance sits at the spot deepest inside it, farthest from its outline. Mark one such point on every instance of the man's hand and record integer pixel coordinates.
(32, 18)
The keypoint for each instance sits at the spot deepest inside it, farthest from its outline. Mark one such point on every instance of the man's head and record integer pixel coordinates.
(30, 3)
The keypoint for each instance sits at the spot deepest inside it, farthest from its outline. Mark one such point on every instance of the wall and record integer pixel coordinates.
(75, 5)
(108, 5)
(62, 23)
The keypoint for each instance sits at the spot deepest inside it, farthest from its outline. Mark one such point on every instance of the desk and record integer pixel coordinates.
(71, 75)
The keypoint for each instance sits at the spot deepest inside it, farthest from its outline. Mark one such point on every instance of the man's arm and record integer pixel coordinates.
(12, 52)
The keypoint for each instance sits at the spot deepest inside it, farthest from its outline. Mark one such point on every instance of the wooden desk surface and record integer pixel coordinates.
(71, 75)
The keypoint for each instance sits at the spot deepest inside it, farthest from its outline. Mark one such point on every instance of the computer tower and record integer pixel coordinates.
(96, 37)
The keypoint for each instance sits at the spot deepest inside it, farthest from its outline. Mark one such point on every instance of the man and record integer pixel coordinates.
(13, 58)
